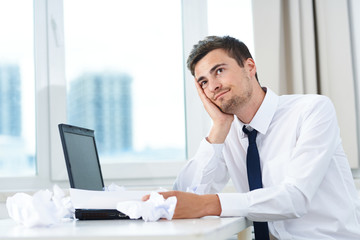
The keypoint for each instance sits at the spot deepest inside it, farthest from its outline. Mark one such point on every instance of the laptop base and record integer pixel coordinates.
(99, 214)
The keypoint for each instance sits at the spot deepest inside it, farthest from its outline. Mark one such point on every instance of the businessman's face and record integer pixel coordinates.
(224, 82)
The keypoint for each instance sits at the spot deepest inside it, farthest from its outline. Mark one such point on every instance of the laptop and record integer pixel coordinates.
(83, 167)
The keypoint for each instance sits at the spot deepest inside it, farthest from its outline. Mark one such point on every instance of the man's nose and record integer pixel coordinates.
(214, 85)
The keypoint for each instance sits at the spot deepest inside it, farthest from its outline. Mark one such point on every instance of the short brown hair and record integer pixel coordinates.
(235, 49)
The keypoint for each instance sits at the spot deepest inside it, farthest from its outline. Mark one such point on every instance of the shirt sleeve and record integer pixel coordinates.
(206, 172)
(319, 138)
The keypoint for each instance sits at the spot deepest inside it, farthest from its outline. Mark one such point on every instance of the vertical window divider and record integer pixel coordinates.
(56, 86)
(197, 120)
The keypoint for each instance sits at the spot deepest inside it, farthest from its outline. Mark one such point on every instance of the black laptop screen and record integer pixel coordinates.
(83, 160)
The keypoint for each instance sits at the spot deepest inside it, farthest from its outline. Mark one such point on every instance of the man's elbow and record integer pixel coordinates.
(300, 203)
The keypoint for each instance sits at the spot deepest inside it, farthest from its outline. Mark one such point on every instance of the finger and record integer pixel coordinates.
(145, 198)
(200, 90)
(203, 97)
(167, 194)
(209, 105)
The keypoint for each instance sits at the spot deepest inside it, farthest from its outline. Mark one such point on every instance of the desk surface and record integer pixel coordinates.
(205, 228)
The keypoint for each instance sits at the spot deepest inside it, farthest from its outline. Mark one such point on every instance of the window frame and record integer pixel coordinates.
(41, 179)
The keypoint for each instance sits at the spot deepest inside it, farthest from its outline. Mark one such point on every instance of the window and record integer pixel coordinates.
(125, 77)
(17, 89)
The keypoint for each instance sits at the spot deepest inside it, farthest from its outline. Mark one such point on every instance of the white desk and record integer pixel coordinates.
(205, 228)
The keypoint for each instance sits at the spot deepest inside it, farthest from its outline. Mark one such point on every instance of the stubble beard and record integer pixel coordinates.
(234, 104)
(230, 105)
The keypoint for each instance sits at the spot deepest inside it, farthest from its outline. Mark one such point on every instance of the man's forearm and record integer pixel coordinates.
(190, 205)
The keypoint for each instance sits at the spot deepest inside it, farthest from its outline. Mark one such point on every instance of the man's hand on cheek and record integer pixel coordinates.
(214, 111)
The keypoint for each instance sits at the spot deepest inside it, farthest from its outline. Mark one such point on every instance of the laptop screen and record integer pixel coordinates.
(81, 157)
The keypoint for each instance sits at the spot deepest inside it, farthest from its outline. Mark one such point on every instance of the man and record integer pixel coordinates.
(306, 188)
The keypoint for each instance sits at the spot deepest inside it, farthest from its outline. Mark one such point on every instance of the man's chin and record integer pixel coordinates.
(226, 111)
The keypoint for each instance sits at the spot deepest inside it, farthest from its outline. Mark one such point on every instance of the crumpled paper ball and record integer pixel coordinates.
(43, 209)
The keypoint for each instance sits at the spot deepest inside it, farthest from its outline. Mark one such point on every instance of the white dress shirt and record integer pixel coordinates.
(308, 190)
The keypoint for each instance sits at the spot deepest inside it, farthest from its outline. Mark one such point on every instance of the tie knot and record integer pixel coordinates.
(251, 134)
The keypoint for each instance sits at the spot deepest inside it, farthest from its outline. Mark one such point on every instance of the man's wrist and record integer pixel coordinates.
(218, 133)
(212, 205)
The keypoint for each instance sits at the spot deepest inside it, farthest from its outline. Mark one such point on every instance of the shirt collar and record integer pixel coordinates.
(262, 119)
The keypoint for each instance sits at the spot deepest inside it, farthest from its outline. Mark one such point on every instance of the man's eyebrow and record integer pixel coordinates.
(211, 71)
(200, 79)
(215, 67)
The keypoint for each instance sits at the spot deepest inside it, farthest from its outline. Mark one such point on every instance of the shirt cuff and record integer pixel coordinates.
(207, 151)
(216, 154)
(233, 204)
(216, 146)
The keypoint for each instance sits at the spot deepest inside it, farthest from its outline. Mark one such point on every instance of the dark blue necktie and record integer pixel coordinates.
(254, 178)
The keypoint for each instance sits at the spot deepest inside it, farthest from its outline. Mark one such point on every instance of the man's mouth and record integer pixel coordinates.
(217, 96)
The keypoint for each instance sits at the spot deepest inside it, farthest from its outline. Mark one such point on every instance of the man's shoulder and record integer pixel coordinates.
(303, 99)
(305, 104)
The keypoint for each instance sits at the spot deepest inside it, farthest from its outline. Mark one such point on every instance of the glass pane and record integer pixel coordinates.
(17, 88)
(124, 75)
(233, 18)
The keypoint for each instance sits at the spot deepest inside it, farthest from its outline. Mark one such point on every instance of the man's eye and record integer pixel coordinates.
(203, 83)
(220, 70)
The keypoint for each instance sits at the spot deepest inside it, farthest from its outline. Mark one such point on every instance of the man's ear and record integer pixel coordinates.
(250, 66)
